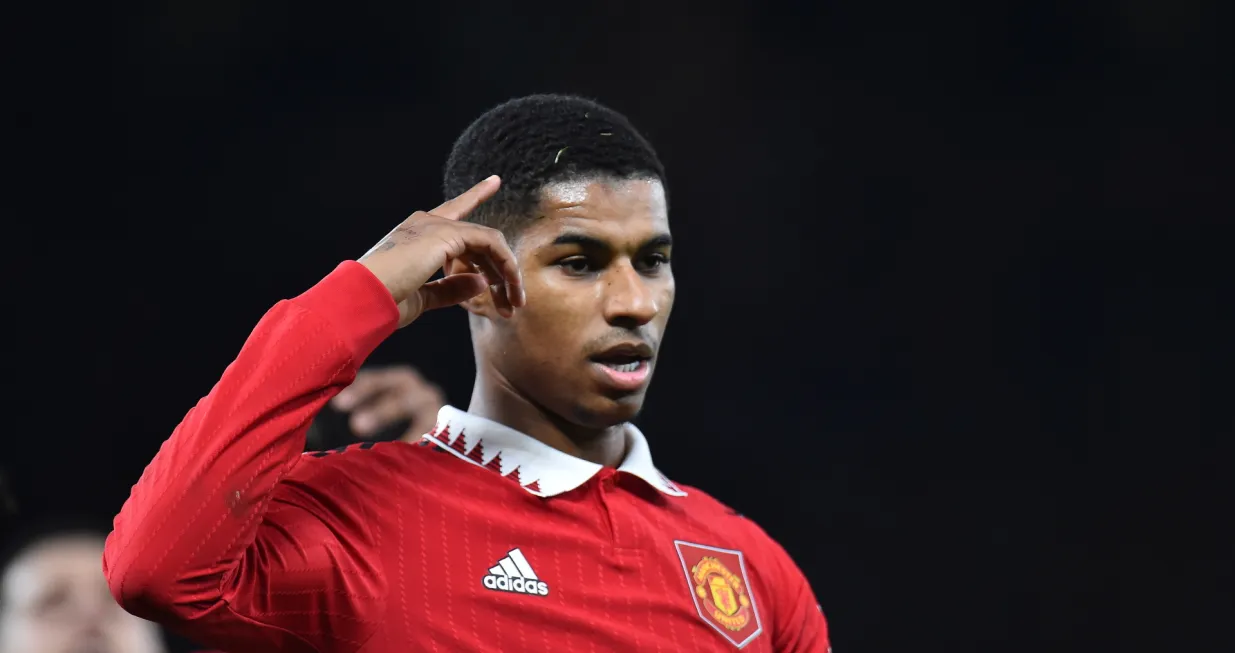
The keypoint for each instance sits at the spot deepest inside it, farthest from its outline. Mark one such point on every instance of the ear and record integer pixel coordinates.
(481, 305)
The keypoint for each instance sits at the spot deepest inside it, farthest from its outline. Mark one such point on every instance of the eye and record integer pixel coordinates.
(653, 262)
(575, 265)
(52, 601)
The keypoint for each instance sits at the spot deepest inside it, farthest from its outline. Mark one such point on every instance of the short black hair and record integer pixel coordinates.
(541, 139)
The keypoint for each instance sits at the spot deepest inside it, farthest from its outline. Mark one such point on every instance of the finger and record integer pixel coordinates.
(491, 252)
(426, 414)
(419, 427)
(459, 207)
(371, 382)
(452, 290)
(491, 276)
(499, 290)
(503, 261)
(496, 284)
(388, 409)
(487, 249)
(414, 404)
(367, 385)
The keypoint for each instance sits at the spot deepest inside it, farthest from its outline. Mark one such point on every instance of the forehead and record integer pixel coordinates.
(615, 210)
(73, 560)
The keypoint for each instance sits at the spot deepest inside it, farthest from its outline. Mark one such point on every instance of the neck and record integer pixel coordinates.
(493, 398)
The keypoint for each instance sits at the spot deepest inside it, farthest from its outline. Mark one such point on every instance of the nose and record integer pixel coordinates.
(629, 301)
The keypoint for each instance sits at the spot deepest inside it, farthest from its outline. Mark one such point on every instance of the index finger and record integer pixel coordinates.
(364, 388)
(371, 382)
(459, 207)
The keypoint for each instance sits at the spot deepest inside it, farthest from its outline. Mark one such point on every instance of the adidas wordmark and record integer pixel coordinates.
(514, 574)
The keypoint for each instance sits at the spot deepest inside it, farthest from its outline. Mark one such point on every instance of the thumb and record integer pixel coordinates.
(451, 290)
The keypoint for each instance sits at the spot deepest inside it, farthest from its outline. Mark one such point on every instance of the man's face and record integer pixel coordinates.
(599, 290)
(55, 599)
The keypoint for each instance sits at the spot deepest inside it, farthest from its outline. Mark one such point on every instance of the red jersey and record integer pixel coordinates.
(479, 538)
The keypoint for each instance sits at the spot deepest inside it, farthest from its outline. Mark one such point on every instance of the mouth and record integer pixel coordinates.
(93, 646)
(624, 367)
(625, 357)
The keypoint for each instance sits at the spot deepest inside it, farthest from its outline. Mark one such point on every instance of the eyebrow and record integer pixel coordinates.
(658, 241)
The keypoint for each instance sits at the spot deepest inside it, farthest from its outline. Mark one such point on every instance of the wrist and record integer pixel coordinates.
(357, 304)
(381, 269)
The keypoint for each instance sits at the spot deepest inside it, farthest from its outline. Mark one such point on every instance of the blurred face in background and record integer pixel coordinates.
(54, 599)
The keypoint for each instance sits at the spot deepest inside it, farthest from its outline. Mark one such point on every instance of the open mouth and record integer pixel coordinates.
(625, 367)
(622, 363)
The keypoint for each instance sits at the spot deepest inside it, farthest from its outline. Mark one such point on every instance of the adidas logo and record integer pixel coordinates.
(514, 574)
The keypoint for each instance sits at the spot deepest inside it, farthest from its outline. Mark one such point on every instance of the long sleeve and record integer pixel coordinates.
(229, 537)
(800, 626)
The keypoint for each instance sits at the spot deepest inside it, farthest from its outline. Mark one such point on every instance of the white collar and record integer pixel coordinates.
(537, 467)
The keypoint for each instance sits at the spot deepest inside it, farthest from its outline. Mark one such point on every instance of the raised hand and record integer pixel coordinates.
(422, 244)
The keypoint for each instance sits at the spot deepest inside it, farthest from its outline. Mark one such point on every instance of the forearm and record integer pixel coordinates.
(199, 503)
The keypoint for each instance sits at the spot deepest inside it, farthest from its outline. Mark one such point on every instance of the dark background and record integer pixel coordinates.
(954, 305)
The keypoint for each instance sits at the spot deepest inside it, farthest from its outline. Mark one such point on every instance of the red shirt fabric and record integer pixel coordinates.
(479, 538)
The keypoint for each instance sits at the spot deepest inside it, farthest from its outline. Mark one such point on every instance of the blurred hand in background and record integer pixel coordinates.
(380, 398)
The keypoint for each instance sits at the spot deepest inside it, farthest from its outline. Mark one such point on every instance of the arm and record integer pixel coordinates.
(230, 536)
(799, 623)
(210, 529)
(801, 627)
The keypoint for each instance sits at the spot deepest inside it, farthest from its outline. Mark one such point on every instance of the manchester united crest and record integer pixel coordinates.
(721, 590)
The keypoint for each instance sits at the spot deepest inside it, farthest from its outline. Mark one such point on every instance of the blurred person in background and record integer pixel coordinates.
(54, 599)
(536, 519)
(53, 595)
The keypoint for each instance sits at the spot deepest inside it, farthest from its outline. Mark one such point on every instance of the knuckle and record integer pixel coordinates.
(414, 374)
(402, 371)
(426, 221)
(495, 236)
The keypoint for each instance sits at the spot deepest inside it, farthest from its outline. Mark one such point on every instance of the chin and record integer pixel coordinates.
(603, 412)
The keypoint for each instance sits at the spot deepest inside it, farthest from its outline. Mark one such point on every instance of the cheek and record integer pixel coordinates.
(665, 302)
(34, 634)
(542, 343)
(556, 313)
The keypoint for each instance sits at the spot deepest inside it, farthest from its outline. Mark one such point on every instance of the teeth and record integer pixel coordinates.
(628, 367)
